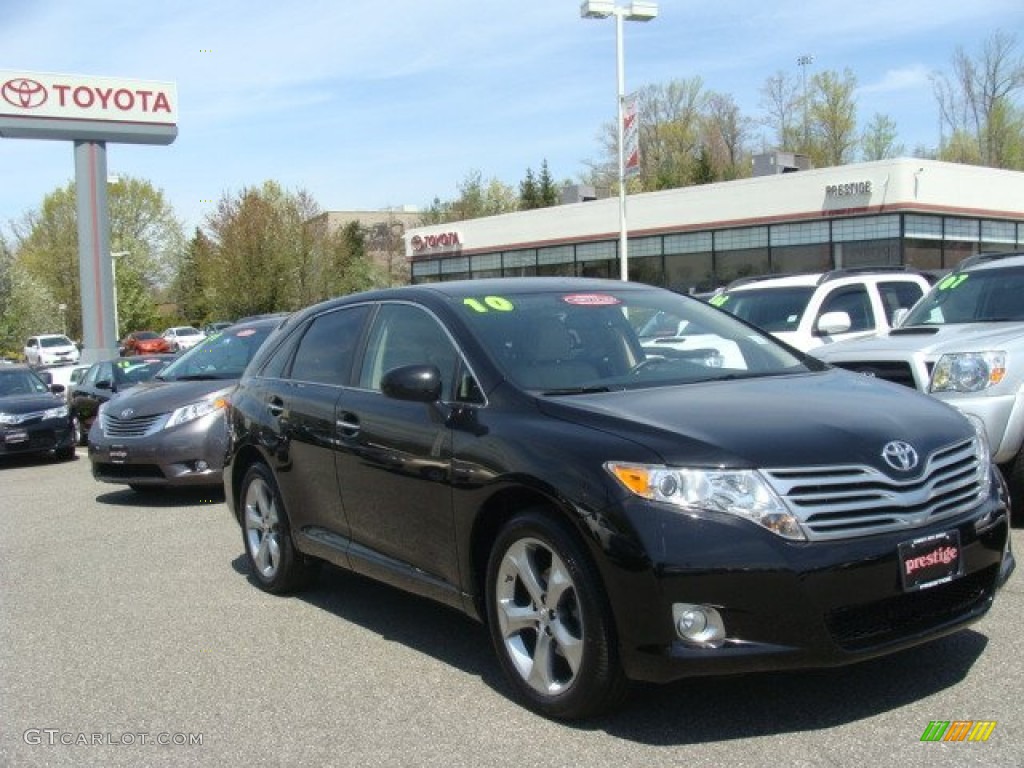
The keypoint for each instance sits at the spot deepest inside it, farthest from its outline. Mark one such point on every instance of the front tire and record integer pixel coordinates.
(549, 620)
(277, 566)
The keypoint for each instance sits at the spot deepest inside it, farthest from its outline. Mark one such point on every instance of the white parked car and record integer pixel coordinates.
(809, 311)
(50, 349)
(182, 337)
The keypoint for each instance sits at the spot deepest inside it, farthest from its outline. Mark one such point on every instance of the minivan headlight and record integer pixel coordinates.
(197, 410)
(740, 492)
(968, 371)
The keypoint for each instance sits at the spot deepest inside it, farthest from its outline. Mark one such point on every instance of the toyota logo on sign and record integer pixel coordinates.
(24, 93)
(900, 455)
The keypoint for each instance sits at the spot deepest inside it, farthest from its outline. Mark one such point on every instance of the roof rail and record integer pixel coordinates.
(984, 256)
(834, 274)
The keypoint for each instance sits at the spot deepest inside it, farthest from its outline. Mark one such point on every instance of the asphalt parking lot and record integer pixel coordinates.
(130, 635)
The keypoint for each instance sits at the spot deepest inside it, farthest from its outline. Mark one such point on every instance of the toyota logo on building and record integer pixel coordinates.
(24, 93)
(900, 455)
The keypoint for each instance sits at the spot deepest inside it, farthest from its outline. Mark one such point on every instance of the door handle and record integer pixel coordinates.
(275, 406)
(348, 424)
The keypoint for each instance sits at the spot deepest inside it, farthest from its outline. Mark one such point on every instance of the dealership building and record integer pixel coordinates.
(906, 211)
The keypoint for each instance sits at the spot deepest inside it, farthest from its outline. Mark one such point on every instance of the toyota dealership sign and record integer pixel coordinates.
(52, 106)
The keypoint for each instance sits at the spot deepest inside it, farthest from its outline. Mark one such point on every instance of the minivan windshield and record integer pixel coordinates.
(982, 295)
(223, 356)
(562, 341)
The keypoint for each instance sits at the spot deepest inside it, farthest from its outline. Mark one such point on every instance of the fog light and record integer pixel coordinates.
(699, 625)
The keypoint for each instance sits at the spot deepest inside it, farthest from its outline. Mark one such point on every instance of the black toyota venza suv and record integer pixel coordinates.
(613, 507)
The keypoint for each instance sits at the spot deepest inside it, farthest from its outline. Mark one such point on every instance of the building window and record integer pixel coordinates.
(691, 242)
(801, 258)
(866, 228)
(519, 263)
(998, 235)
(802, 233)
(744, 239)
(690, 272)
(923, 227)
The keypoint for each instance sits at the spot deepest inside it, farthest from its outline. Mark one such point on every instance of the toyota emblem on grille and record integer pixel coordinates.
(127, 413)
(900, 455)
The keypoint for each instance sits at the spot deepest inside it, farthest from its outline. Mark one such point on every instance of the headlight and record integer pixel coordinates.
(968, 371)
(742, 492)
(8, 418)
(60, 412)
(197, 410)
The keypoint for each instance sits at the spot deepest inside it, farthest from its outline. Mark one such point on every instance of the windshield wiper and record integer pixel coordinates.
(577, 390)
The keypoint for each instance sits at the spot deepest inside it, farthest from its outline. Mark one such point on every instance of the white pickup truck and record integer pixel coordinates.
(962, 343)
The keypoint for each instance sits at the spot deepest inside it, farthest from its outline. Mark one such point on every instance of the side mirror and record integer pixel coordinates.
(832, 323)
(105, 384)
(58, 389)
(416, 383)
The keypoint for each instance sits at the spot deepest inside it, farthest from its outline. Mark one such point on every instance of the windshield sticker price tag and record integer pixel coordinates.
(591, 300)
(949, 282)
(487, 303)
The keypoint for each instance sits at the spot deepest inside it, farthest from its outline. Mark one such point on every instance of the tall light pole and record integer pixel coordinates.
(803, 62)
(637, 10)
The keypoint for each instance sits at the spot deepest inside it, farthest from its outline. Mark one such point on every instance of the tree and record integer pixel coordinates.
(833, 115)
(782, 102)
(143, 229)
(529, 196)
(476, 199)
(725, 132)
(879, 139)
(270, 250)
(547, 191)
(979, 105)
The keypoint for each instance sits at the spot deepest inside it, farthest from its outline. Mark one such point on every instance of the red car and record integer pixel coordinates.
(144, 343)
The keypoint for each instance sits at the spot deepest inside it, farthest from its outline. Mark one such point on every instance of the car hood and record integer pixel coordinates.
(930, 339)
(155, 397)
(797, 420)
(17, 404)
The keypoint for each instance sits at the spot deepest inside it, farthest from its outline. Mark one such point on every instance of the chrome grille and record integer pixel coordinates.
(114, 426)
(841, 502)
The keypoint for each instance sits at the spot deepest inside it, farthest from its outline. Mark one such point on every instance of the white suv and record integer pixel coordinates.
(964, 344)
(808, 311)
(50, 349)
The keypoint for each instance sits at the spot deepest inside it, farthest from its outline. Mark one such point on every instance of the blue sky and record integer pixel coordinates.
(368, 105)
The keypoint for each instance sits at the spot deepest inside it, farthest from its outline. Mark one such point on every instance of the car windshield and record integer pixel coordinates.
(223, 356)
(187, 332)
(773, 309)
(618, 338)
(55, 341)
(133, 371)
(146, 336)
(983, 295)
(20, 382)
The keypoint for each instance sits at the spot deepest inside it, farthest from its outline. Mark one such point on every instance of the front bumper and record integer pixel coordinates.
(189, 455)
(792, 605)
(42, 437)
(1002, 415)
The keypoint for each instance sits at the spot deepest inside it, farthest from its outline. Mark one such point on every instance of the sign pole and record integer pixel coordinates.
(95, 271)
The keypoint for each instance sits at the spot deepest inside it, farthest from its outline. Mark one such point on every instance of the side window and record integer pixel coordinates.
(327, 349)
(854, 301)
(92, 375)
(406, 335)
(898, 295)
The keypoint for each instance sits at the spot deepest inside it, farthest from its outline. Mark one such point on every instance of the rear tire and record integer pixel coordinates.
(550, 622)
(277, 566)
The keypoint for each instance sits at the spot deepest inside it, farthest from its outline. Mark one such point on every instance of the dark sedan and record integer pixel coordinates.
(170, 431)
(34, 416)
(107, 378)
(612, 512)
